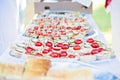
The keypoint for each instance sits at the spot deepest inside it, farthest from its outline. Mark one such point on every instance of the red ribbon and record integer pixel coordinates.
(107, 3)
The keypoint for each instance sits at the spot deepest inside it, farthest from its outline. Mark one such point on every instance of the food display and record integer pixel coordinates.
(84, 50)
(57, 46)
(58, 27)
(61, 36)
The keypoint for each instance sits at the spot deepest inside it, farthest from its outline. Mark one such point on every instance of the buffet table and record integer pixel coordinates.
(108, 65)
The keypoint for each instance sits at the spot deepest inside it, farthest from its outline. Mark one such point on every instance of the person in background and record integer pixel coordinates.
(8, 23)
(114, 7)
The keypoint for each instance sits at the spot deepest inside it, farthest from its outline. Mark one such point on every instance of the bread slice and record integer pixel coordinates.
(11, 71)
(70, 74)
(36, 67)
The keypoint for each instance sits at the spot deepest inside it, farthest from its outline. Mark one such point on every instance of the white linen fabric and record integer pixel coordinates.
(8, 23)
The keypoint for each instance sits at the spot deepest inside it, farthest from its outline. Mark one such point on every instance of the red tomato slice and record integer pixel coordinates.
(78, 27)
(49, 44)
(45, 51)
(65, 46)
(56, 48)
(90, 40)
(78, 41)
(39, 33)
(38, 43)
(59, 44)
(95, 45)
(38, 54)
(63, 33)
(63, 54)
(30, 31)
(95, 51)
(29, 49)
(54, 55)
(100, 49)
(71, 56)
(69, 28)
(76, 47)
(35, 28)
(87, 53)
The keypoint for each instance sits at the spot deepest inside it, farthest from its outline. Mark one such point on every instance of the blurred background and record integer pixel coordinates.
(102, 19)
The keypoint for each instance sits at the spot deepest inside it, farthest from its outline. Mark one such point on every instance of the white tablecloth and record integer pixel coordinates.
(109, 65)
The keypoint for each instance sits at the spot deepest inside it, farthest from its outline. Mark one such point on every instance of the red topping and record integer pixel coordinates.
(78, 41)
(87, 53)
(74, 28)
(49, 33)
(30, 31)
(76, 47)
(82, 30)
(69, 28)
(61, 30)
(90, 40)
(95, 45)
(100, 49)
(54, 54)
(76, 19)
(65, 20)
(59, 44)
(29, 49)
(28, 53)
(38, 44)
(41, 19)
(49, 44)
(63, 54)
(39, 33)
(63, 33)
(65, 46)
(94, 51)
(35, 28)
(45, 51)
(58, 23)
(38, 54)
(78, 27)
(50, 49)
(71, 56)
(56, 48)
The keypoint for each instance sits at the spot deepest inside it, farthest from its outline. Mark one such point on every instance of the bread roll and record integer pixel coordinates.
(19, 69)
(36, 67)
(11, 71)
(37, 64)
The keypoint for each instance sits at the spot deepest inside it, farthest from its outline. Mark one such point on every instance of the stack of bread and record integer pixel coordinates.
(41, 69)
